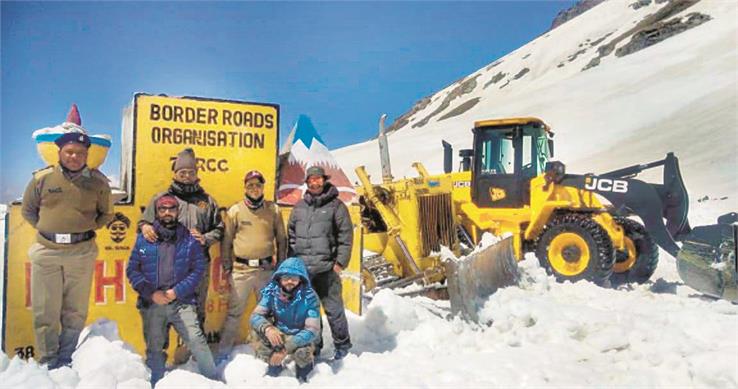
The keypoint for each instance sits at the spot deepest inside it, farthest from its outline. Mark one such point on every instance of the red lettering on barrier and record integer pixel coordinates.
(222, 304)
(116, 281)
(216, 304)
(28, 285)
(218, 279)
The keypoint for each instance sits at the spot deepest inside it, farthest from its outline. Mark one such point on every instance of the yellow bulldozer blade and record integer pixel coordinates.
(474, 278)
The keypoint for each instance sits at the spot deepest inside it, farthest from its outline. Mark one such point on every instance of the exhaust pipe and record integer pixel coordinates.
(384, 156)
(447, 157)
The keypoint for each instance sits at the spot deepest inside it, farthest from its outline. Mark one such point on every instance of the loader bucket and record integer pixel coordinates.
(707, 260)
(474, 278)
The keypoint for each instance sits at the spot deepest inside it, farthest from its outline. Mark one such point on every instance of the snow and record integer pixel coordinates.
(542, 332)
(678, 95)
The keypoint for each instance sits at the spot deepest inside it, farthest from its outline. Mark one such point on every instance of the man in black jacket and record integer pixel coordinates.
(321, 233)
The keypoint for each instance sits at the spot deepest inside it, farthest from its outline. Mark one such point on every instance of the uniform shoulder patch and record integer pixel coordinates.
(99, 175)
(271, 206)
(233, 209)
(42, 172)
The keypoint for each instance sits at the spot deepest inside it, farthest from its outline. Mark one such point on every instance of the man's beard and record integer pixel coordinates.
(288, 292)
(168, 222)
(315, 189)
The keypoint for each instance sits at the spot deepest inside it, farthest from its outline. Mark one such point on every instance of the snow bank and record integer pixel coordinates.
(102, 360)
(542, 333)
(662, 333)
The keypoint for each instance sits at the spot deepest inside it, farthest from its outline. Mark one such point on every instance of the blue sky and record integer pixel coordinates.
(341, 63)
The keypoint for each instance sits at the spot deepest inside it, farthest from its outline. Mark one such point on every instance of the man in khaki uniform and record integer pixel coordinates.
(66, 204)
(254, 243)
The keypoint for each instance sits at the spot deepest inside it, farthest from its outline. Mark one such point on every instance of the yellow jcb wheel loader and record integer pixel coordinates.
(508, 185)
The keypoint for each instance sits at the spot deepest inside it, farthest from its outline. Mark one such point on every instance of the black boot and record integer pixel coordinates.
(302, 372)
(341, 350)
(274, 371)
(340, 353)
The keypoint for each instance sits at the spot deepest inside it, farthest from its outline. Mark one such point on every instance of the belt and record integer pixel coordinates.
(70, 238)
(260, 262)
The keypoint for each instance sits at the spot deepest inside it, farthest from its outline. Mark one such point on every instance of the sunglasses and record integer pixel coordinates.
(290, 278)
(186, 173)
(253, 186)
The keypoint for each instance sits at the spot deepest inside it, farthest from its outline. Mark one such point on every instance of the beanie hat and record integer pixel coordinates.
(254, 174)
(185, 160)
(316, 171)
(166, 201)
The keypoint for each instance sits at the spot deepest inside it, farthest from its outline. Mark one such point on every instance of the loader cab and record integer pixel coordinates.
(508, 153)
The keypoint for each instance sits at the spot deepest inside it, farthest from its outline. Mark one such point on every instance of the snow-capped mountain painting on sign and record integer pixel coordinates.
(302, 149)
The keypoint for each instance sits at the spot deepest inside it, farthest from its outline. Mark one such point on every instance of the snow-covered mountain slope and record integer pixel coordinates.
(622, 83)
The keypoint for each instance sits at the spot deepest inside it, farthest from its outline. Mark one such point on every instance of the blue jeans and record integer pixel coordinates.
(183, 317)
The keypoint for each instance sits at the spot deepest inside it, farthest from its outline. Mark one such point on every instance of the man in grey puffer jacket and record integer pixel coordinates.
(321, 233)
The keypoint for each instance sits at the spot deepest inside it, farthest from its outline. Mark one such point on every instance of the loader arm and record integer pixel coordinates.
(707, 260)
(651, 202)
(630, 196)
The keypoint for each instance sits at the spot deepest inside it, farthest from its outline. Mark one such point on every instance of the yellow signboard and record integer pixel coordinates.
(229, 138)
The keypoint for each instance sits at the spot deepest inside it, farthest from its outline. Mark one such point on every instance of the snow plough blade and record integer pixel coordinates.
(707, 259)
(474, 278)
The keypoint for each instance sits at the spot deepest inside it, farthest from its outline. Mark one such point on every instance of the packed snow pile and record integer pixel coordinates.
(541, 333)
(621, 84)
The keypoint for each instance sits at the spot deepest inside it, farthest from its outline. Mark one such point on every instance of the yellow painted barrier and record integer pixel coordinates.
(229, 138)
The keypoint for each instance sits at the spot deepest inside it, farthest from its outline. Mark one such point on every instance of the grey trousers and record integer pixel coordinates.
(202, 293)
(329, 288)
(244, 281)
(183, 317)
(61, 280)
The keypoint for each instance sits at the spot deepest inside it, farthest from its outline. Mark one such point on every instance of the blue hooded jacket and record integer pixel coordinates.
(189, 266)
(298, 316)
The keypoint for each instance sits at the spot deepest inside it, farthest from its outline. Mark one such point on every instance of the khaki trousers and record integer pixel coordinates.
(263, 349)
(61, 280)
(244, 281)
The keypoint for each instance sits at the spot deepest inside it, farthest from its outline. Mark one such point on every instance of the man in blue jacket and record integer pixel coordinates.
(165, 274)
(287, 320)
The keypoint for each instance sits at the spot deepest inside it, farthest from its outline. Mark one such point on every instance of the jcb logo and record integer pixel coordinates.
(606, 185)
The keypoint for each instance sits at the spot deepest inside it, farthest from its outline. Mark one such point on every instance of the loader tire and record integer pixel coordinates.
(639, 260)
(574, 247)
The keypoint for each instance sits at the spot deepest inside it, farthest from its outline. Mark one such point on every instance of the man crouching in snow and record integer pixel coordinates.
(287, 320)
(165, 274)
